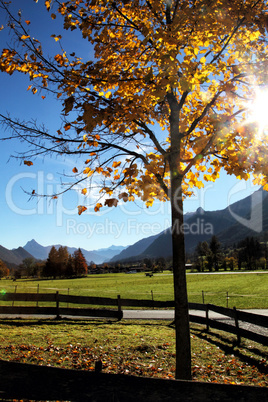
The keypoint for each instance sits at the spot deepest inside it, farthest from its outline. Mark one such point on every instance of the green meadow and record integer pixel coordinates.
(239, 290)
(141, 348)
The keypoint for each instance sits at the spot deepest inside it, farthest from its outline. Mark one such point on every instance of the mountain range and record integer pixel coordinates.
(32, 249)
(244, 218)
(13, 257)
(97, 256)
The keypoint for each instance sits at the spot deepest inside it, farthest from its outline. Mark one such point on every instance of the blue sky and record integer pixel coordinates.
(57, 222)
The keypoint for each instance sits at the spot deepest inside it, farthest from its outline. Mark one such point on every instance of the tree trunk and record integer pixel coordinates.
(183, 346)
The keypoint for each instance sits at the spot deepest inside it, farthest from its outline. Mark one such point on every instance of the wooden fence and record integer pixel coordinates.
(57, 310)
(21, 381)
(237, 316)
(233, 315)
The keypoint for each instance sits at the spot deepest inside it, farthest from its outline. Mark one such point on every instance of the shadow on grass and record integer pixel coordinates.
(229, 347)
(21, 322)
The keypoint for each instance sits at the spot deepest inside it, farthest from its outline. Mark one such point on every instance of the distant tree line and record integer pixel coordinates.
(147, 264)
(250, 254)
(59, 264)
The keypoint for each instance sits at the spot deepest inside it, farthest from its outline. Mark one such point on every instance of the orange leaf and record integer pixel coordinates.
(27, 22)
(75, 170)
(47, 4)
(81, 209)
(116, 164)
(28, 163)
(67, 126)
(97, 207)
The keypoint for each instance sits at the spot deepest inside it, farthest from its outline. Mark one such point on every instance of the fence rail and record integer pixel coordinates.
(21, 381)
(58, 310)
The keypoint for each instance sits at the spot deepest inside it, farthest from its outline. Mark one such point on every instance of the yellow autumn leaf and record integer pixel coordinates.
(56, 38)
(116, 164)
(47, 4)
(97, 207)
(84, 191)
(87, 170)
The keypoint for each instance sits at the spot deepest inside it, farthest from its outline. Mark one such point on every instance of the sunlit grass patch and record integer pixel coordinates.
(239, 290)
(131, 347)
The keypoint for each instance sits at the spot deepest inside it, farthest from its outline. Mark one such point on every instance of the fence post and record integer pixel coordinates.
(37, 293)
(15, 291)
(203, 297)
(207, 319)
(57, 305)
(227, 299)
(152, 293)
(98, 366)
(237, 326)
(120, 314)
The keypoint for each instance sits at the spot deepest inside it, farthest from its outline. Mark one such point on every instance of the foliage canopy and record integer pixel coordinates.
(161, 106)
(166, 77)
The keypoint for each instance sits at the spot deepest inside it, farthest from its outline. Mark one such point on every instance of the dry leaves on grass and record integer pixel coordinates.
(143, 359)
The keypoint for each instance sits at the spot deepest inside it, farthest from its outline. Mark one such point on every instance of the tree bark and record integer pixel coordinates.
(182, 328)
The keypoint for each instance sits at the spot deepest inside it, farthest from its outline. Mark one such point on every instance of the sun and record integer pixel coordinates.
(258, 110)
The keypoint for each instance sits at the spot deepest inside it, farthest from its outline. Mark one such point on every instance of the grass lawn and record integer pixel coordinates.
(132, 347)
(244, 290)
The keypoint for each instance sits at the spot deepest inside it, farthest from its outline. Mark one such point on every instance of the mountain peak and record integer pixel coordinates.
(32, 242)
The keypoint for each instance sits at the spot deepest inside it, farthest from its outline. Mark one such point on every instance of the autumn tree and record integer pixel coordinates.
(62, 260)
(4, 271)
(159, 108)
(69, 272)
(80, 264)
(50, 268)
